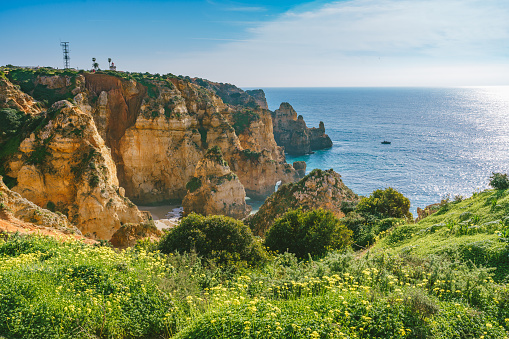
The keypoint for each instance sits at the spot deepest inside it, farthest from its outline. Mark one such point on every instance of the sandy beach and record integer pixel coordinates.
(165, 216)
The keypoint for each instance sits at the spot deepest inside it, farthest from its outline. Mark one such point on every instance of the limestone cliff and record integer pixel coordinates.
(65, 165)
(12, 97)
(159, 127)
(318, 189)
(12, 203)
(233, 95)
(215, 189)
(291, 132)
(168, 124)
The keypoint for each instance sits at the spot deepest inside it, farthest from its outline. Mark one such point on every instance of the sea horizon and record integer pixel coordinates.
(445, 141)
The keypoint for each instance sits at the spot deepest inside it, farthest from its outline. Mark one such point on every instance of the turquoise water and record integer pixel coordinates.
(443, 140)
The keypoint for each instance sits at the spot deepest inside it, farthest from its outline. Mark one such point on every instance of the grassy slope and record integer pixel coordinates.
(469, 230)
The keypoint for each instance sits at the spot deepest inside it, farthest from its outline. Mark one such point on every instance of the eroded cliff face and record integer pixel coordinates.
(12, 203)
(169, 124)
(318, 189)
(291, 132)
(65, 165)
(157, 128)
(215, 189)
(12, 97)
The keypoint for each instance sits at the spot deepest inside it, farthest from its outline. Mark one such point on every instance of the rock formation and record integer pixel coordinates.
(291, 132)
(13, 98)
(215, 189)
(14, 204)
(65, 165)
(300, 167)
(233, 95)
(158, 128)
(128, 136)
(129, 234)
(318, 189)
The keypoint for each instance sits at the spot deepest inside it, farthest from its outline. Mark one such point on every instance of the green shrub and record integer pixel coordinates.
(387, 203)
(499, 181)
(314, 233)
(11, 121)
(215, 154)
(193, 184)
(242, 120)
(348, 206)
(221, 239)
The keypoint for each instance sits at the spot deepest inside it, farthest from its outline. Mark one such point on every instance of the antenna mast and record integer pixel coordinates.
(67, 58)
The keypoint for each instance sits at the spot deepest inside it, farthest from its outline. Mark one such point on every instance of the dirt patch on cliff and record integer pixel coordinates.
(10, 224)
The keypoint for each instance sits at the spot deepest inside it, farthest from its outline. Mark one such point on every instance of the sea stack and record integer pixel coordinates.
(291, 132)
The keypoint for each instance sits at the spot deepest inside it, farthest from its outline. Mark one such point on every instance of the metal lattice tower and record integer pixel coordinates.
(67, 58)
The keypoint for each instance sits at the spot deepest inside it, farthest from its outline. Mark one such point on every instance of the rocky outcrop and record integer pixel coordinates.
(300, 167)
(291, 132)
(215, 189)
(318, 189)
(12, 97)
(159, 127)
(233, 95)
(259, 96)
(129, 234)
(65, 165)
(12, 203)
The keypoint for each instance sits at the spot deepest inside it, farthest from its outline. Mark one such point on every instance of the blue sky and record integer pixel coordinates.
(271, 43)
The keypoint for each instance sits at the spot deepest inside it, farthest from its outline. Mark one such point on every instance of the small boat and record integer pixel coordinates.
(385, 142)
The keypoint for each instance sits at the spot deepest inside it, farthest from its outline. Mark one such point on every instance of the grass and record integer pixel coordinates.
(63, 288)
(470, 229)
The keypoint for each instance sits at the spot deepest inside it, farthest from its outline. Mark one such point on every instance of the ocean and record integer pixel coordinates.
(444, 141)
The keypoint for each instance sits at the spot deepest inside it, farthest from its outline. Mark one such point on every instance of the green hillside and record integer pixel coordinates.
(474, 231)
(443, 277)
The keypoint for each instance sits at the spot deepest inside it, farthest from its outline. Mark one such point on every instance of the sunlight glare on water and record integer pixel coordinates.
(444, 140)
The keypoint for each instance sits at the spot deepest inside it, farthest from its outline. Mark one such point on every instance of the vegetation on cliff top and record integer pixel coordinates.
(433, 279)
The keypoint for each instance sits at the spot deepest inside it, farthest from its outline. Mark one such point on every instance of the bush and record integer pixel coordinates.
(11, 121)
(499, 181)
(193, 184)
(314, 232)
(221, 239)
(387, 203)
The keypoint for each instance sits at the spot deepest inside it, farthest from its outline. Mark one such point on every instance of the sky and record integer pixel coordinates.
(266, 43)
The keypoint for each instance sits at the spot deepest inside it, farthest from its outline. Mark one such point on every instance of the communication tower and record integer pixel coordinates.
(67, 58)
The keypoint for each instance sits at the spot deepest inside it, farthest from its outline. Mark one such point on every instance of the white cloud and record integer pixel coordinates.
(368, 43)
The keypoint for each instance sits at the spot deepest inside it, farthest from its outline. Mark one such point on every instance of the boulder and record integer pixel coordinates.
(300, 167)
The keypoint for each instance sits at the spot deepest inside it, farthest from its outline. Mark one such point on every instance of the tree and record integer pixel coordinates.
(95, 65)
(314, 232)
(222, 239)
(499, 181)
(387, 203)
